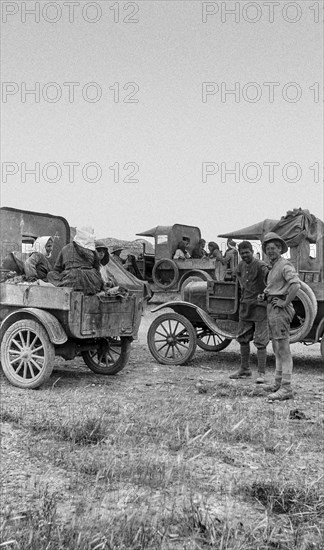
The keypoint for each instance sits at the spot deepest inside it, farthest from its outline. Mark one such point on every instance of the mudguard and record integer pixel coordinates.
(319, 330)
(194, 313)
(52, 326)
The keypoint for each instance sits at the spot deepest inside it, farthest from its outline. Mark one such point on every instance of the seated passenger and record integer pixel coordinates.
(114, 274)
(181, 253)
(77, 265)
(12, 266)
(102, 251)
(231, 256)
(214, 252)
(38, 264)
(116, 251)
(199, 250)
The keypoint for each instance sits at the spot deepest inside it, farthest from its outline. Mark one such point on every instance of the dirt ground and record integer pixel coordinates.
(191, 418)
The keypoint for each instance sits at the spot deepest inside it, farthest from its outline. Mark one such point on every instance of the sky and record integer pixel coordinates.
(126, 115)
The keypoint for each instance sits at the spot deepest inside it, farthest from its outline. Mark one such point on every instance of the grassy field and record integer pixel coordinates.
(163, 457)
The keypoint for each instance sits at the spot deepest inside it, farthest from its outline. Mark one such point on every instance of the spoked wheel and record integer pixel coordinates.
(27, 355)
(172, 339)
(110, 357)
(211, 341)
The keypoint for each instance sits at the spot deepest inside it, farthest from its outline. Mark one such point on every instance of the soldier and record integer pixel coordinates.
(282, 287)
(251, 274)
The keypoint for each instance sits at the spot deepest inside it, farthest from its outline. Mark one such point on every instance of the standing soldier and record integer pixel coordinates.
(282, 287)
(251, 274)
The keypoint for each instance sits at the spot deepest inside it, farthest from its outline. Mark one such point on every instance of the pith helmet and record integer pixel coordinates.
(274, 237)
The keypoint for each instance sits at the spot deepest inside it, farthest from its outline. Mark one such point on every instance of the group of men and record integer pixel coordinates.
(266, 312)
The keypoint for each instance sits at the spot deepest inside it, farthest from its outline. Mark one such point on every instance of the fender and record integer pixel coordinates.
(52, 326)
(319, 330)
(194, 313)
(204, 276)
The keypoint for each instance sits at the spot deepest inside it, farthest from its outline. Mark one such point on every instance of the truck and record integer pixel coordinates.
(163, 272)
(207, 314)
(39, 322)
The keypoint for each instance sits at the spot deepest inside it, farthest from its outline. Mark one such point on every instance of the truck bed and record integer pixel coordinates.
(28, 295)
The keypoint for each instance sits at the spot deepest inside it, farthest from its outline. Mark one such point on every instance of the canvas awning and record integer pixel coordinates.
(252, 232)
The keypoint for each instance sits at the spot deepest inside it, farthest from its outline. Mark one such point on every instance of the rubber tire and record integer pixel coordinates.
(322, 346)
(101, 368)
(191, 333)
(217, 347)
(297, 335)
(49, 354)
(307, 289)
(175, 268)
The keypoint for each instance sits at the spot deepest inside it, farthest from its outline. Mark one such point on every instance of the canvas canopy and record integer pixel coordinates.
(298, 228)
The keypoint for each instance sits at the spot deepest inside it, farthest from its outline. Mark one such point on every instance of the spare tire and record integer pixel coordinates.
(307, 289)
(304, 317)
(165, 273)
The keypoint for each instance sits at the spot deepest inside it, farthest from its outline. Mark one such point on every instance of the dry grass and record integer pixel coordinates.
(161, 467)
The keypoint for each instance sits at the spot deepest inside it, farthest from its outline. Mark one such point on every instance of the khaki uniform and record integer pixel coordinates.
(281, 276)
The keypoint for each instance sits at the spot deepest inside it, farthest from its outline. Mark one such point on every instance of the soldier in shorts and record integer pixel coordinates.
(253, 325)
(282, 287)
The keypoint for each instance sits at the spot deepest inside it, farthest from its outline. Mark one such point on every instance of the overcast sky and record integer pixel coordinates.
(132, 123)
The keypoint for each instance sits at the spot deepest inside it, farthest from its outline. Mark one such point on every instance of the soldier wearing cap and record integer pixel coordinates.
(282, 287)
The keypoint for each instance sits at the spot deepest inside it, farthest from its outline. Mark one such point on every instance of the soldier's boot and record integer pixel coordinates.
(272, 388)
(262, 361)
(281, 394)
(244, 371)
(285, 391)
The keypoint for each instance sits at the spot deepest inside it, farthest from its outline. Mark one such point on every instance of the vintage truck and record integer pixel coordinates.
(207, 314)
(165, 273)
(39, 322)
